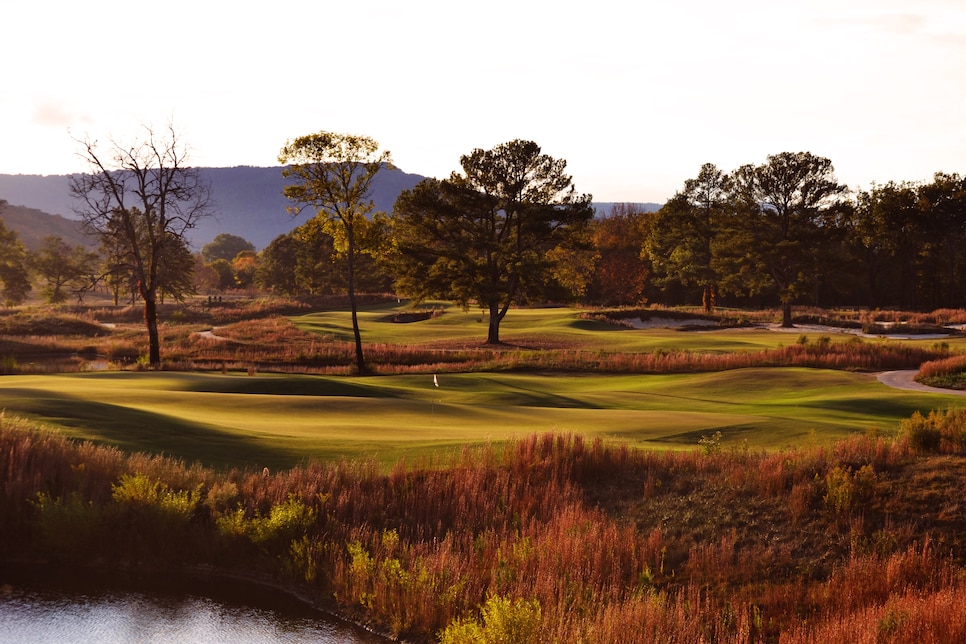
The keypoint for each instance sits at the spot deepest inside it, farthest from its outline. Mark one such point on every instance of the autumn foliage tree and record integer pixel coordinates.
(622, 272)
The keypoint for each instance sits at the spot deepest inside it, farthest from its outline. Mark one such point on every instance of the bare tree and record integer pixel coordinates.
(144, 199)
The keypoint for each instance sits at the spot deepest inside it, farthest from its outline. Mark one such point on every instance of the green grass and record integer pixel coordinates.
(560, 325)
(281, 420)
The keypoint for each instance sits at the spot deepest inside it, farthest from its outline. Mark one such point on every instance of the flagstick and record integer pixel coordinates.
(435, 387)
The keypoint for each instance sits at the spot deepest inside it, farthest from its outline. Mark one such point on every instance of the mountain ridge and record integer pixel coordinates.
(248, 202)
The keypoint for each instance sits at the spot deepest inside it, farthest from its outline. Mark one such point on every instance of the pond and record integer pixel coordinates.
(47, 607)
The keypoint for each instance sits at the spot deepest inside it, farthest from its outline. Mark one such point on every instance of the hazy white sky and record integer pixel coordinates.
(634, 95)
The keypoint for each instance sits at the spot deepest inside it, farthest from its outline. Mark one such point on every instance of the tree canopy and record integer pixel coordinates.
(64, 269)
(14, 272)
(785, 207)
(225, 246)
(685, 241)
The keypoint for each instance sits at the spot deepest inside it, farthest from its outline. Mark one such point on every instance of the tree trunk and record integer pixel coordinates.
(360, 361)
(787, 315)
(493, 333)
(709, 298)
(151, 321)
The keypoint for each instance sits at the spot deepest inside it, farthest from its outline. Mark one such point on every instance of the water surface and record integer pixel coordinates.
(46, 609)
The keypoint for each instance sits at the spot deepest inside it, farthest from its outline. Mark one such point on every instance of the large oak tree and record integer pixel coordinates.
(485, 235)
(143, 199)
(785, 207)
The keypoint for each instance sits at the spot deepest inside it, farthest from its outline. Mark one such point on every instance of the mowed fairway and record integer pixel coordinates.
(283, 420)
(559, 326)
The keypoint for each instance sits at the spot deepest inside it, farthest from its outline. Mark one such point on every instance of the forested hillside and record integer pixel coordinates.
(248, 202)
(32, 225)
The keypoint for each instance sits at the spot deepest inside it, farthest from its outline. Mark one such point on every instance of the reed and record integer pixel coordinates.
(550, 534)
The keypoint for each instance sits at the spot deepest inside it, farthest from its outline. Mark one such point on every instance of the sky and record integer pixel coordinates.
(635, 96)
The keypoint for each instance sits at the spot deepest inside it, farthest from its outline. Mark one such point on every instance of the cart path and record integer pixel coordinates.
(905, 379)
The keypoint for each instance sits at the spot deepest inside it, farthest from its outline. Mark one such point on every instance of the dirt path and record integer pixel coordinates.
(905, 379)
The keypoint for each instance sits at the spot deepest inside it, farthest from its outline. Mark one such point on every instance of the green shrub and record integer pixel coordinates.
(845, 488)
(137, 490)
(69, 528)
(504, 621)
(285, 523)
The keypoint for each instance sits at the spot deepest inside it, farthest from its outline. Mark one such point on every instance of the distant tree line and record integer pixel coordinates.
(776, 234)
(781, 233)
(786, 232)
(509, 229)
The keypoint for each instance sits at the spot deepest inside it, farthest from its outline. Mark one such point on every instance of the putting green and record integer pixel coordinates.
(281, 420)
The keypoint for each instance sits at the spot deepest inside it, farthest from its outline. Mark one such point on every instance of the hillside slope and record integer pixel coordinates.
(248, 201)
(32, 225)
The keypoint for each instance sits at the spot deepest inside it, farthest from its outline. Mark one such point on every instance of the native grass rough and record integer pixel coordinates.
(547, 538)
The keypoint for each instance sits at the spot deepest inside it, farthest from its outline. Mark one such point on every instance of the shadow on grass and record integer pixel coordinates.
(274, 385)
(529, 397)
(895, 407)
(284, 386)
(135, 430)
(731, 435)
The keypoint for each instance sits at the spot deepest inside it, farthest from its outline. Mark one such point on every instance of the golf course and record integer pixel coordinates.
(639, 476)
(278, 420)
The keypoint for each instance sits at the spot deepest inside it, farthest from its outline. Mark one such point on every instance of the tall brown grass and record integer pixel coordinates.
(549, 537)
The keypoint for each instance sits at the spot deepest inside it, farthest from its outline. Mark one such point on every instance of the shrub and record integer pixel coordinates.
(503, 622)
(284, 524)
(69, 527)
(137, 490)
(921, 432)
(711, 444)
(844, 488)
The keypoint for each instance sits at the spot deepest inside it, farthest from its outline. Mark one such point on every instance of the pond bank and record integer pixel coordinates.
(226, 588)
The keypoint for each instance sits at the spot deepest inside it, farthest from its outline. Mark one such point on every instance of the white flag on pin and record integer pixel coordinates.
(435, 381)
